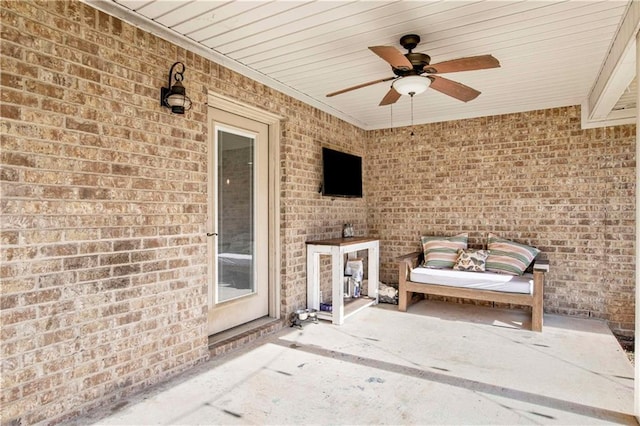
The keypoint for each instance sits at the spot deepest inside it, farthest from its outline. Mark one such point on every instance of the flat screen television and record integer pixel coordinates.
(341, 174)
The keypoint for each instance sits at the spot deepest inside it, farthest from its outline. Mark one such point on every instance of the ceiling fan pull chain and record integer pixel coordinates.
(411, 113)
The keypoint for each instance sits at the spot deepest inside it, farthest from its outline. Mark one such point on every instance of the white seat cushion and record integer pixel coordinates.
(474, 280)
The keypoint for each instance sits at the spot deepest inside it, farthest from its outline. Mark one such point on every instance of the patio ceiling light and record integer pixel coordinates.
(411, 85)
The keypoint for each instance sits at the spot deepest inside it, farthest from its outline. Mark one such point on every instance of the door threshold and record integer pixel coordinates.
(236, 337)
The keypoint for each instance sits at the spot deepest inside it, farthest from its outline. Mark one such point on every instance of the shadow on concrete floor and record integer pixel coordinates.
(438, 363)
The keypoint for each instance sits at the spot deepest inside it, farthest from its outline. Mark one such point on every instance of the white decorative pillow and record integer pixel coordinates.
(471, 260)
(508, 257)
(442, 252)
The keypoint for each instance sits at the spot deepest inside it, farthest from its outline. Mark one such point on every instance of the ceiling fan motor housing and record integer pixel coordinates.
(418, 60)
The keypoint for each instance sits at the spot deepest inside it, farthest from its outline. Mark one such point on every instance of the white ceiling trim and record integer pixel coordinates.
(551, 52)
(617, 73)
(114, 9)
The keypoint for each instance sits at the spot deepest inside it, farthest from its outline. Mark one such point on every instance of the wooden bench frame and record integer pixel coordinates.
(406, 288)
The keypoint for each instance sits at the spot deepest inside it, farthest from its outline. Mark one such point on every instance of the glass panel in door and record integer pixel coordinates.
(235, 216)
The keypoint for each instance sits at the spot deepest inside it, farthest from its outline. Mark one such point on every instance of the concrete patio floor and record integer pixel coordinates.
(438, 363)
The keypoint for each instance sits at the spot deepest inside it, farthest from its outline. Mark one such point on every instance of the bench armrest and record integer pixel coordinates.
(541, 265)
(406, 263)
(412, 259)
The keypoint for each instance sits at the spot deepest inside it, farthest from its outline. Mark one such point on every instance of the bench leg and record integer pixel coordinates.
(536, 319)
(537, 309)
(403, 298)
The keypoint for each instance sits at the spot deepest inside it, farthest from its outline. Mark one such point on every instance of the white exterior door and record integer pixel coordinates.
(239, 222)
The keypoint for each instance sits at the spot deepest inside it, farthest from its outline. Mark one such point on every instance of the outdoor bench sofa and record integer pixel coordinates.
(524, 290)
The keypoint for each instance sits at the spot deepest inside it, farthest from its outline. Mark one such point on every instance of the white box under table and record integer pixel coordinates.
(337, 248)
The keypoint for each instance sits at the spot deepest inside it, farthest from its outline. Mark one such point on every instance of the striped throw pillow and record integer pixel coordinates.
(442, 252)
(508, 257)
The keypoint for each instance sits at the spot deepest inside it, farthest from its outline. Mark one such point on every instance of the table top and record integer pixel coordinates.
(342, 241)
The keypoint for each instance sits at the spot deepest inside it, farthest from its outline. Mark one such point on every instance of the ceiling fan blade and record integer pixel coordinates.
(393, 56)
(348, 89)
(390, 98)
(464, 64)
(453, 88)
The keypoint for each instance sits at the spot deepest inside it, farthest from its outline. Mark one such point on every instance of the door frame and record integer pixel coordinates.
(233, 106)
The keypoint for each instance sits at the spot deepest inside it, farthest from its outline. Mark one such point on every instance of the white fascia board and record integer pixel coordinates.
(617, 72)
(615, 118)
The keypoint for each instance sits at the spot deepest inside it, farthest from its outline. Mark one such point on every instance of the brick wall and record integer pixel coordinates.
(104, 278)
(305, 213)
(103, 197)
(535, 178)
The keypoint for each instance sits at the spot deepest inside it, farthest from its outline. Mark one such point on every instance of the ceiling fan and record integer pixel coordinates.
(414, 74)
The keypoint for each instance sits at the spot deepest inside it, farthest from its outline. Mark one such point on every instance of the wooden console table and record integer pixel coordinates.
(336, 248)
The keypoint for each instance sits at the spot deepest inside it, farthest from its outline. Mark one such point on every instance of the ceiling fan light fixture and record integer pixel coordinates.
(411, 85)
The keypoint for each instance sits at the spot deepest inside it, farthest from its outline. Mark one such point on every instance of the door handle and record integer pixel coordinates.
(211, 234)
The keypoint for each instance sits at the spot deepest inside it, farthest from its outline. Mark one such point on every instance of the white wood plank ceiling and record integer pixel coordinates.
(551, 52)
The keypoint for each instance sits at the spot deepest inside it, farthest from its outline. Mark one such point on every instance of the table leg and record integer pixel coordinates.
(313, 278)
(337, 282)
(373, 271)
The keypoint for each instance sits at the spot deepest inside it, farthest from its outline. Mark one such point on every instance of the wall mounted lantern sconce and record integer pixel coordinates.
(175, 97)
